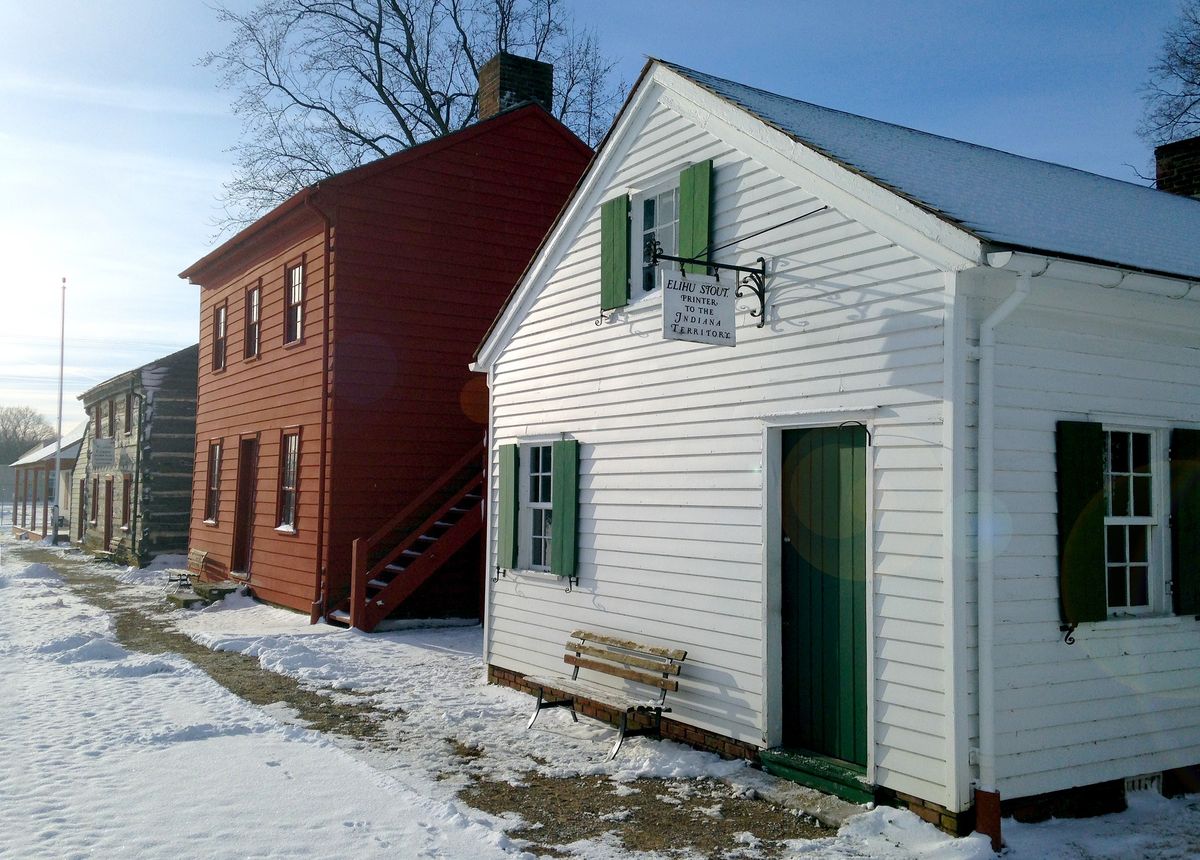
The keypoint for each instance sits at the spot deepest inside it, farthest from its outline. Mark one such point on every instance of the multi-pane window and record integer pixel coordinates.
(126, 500)
(220, 320)
(293, 326)
(253, 325)
(1130, 519)
(112, 417)
(128, 414)
(212, 494)
(95, 498)
(538, 506)
(288, 472)
(659, 222)
(97, 431)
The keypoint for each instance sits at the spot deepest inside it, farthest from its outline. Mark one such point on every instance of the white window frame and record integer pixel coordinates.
(1158, 554)
(526, 507)
(637, 229)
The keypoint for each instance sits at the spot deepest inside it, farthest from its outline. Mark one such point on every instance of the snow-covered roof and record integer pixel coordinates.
(71, 442)
(999, 197)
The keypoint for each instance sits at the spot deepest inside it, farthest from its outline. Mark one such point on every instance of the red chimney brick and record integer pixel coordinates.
(1178, 167)
(507, 80)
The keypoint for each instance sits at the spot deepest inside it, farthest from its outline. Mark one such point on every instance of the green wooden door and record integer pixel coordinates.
(824, 614)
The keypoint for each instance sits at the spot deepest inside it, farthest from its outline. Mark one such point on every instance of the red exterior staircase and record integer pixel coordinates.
(414, 545)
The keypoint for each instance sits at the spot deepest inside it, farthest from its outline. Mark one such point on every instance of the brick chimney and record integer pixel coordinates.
(507, 80)
(1177, 167)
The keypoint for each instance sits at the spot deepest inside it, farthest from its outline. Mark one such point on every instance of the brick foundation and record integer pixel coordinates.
(954, 823)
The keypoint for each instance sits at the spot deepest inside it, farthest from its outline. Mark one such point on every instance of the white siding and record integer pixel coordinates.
(671, 516)
(1125, 699)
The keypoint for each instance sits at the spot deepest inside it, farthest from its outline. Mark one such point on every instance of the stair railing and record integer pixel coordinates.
(362, 548)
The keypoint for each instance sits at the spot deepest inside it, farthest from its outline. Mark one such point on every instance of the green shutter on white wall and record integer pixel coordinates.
(506, 534)
(614, 253)
(1185, 520)
(564, 500)
(1082, 587)
(695, 213)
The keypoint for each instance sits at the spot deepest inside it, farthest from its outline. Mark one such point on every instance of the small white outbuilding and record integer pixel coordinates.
(928, 522)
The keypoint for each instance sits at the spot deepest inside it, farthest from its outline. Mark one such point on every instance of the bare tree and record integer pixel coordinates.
(325, 85)
(21, 428)
(1172, 94)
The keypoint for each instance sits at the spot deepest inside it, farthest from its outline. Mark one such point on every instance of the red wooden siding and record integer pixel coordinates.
(428, 245)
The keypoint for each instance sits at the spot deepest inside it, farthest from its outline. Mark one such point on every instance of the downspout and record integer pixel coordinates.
(987, 799)
(134, 525)
(321, 594)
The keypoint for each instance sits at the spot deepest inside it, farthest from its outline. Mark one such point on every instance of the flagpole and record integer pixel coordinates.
(62, 337)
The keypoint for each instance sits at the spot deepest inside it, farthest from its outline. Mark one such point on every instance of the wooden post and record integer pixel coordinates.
(358, 583)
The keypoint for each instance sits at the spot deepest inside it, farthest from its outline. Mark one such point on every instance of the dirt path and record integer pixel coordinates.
(673, 817)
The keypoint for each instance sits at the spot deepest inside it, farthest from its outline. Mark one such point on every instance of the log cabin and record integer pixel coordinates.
(339, 441)
(132, 481)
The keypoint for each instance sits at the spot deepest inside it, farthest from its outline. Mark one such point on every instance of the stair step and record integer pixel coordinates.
(412, 553)
(378, 583)
(395, 568)
(428, 538)
(340, 616)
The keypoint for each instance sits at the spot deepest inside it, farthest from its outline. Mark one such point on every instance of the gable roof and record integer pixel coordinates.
(297, 211)
(1000, 198)
(71, 442)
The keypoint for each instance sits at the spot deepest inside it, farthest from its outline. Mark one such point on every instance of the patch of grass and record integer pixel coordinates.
(701, 816)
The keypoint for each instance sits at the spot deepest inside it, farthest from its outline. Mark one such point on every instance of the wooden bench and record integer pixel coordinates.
(196, 560)
(648, 666)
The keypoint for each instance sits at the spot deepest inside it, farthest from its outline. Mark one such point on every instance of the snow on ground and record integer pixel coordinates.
(109, 753)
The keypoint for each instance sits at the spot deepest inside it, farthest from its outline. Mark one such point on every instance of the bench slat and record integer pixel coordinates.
(669, 653)
(627, 659)
(668, 684)
(595, 692)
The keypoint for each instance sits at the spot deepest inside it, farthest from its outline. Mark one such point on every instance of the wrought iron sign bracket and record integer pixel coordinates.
(753, 280)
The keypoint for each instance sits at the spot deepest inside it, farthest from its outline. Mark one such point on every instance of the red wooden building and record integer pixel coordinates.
(338, 428)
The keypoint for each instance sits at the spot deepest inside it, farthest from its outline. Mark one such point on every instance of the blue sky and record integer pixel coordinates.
(114, 141)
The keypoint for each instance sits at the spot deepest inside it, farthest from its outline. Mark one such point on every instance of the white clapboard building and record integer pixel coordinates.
(924, 524)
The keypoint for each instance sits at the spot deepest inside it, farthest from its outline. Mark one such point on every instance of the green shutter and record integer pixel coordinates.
(506, 537)
(1082, 586)
(695, 210)
(1185, 520)
(564, 500)
(614, 253)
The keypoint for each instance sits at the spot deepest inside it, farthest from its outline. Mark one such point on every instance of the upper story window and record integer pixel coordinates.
(1133, 521)
(112, 417)
(97, 431)
(128, 414)
(293, 325)
(253, 320)
(655, 215)
(220, 321)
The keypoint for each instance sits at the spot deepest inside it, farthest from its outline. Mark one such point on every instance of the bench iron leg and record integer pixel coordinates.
(542, 705)
(620, 737)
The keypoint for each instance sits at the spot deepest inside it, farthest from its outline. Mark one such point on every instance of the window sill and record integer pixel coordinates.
(125, 528)
(1132, 624)
(210, 522)
(292, 344)
(528, 571)
(286, 530)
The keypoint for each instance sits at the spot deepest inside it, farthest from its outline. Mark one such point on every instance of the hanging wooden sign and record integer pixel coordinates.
(698, 308)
